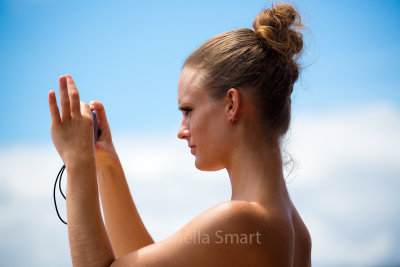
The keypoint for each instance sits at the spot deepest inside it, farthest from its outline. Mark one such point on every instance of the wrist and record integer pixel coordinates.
(78, 159)
(80, 167)
(107, 161)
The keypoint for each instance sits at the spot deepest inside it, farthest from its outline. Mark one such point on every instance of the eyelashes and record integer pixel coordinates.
(186, 111)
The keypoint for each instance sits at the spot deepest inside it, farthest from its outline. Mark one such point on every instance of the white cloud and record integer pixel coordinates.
(344, 185)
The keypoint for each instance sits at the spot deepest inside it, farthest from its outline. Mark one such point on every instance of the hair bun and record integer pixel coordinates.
(280, 28)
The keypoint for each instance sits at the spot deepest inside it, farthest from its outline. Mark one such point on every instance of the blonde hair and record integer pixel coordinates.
(261, 62)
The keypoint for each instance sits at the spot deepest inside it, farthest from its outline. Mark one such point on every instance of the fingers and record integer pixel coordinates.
(54, 112)
(65, 103)
(100, 114)
(85, 108)
(74, 96)
(70, 102)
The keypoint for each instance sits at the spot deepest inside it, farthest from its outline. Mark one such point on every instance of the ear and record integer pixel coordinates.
(232, 99)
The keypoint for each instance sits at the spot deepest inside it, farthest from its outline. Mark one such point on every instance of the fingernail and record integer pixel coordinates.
(92, 107)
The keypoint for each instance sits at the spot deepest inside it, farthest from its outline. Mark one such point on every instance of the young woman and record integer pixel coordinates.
(234, 92)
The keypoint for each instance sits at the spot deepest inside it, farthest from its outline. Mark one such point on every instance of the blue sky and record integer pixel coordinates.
(128, 54)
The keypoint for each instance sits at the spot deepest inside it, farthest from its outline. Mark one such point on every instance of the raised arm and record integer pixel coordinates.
(72, 135)
(124, 225)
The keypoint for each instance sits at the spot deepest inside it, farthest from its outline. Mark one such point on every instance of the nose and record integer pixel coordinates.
(183, 132)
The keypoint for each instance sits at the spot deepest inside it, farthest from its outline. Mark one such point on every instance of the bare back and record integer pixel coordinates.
(285, 238)
(302, 241)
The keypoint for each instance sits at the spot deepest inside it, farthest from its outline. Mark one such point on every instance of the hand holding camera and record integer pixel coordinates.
(72, 132)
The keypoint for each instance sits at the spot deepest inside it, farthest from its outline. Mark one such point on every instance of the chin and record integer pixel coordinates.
(207, 166)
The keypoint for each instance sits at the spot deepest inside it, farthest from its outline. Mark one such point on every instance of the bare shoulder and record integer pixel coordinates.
(250, 216)
(232, 233)
(274, 229)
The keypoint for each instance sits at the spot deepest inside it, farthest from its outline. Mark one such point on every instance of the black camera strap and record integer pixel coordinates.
(58, 179)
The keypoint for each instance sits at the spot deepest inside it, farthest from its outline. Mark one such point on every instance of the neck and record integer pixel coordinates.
(255, 171)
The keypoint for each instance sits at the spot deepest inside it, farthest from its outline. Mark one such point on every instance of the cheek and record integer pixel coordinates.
(202, 128)
(208, 134)
(211, 132)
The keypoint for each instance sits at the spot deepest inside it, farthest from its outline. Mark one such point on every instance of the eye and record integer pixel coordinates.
(186, 111)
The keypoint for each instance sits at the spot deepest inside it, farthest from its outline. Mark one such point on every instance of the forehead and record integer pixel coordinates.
(189, 89)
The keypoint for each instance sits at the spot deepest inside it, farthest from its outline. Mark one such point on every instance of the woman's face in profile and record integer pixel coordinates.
(204, 125)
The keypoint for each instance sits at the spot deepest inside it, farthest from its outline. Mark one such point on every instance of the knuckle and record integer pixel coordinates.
(84, 105)
(99, 104)
(88, 119)
(75, 94)
(53, 126)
